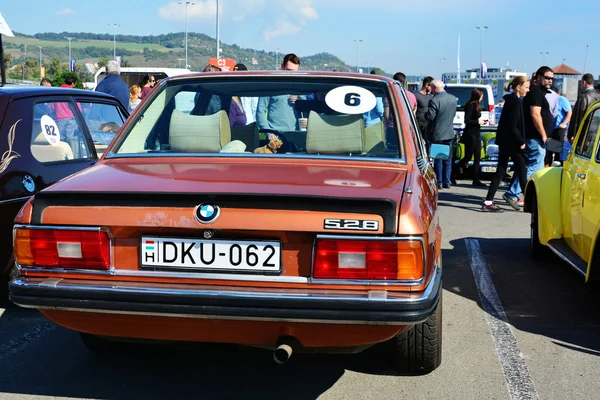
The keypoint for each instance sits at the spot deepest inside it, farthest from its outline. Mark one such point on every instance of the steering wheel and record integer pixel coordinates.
(287, 146)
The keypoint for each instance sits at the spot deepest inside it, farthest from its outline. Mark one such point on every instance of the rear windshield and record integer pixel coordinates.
(299, 116)
(463, 94)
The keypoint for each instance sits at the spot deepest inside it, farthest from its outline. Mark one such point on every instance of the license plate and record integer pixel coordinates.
(200, 254)
(488, 169)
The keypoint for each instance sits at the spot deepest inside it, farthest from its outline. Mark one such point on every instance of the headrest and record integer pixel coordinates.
(199, 133)
(335, 134)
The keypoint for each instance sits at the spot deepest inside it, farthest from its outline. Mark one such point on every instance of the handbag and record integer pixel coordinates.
(553, 145)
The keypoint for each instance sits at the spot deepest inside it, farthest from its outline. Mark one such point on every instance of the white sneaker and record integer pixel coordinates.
(556, 164)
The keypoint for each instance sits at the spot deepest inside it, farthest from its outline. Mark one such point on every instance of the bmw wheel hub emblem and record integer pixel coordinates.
(207, 213)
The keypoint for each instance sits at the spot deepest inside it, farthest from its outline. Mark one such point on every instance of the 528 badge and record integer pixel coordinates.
(351, 224)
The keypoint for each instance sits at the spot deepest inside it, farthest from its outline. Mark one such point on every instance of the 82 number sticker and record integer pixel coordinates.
(351, 100)
(51, 132)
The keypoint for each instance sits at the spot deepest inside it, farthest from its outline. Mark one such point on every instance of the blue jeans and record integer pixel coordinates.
(443, 168)
(535, 154)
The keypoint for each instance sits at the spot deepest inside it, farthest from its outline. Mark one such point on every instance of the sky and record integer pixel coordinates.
(415, 37)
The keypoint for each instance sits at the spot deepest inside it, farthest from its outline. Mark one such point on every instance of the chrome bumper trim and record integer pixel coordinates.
(367, 307)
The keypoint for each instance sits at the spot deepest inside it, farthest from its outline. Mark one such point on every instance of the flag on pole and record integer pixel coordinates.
(458, 61)
(71, 65)
(4, 28)
(483, 70)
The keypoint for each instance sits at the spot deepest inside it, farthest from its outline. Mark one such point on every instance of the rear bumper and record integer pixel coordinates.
(376, 307)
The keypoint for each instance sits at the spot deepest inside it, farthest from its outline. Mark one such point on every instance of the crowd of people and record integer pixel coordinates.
(536, 122)
(534, 114)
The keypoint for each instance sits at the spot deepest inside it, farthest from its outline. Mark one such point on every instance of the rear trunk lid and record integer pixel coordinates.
(264, 211)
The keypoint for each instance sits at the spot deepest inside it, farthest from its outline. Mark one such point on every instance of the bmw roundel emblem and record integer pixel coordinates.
(207, 213)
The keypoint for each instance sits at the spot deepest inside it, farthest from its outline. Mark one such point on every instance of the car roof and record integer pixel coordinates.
(239, 74)
(31, 91)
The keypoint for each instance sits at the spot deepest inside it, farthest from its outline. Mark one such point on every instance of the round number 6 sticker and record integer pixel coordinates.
(50, 130)
(351, 100)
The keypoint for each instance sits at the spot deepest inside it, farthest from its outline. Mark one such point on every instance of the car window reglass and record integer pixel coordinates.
(585, 143)
(56, 133)
(463, 94)
(300, 117)
(103, 121)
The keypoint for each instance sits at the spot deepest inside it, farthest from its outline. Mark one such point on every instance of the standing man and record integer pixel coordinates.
(113, 84)
(539, 124)
(587, 97)
(440, 115)
(561, 124)
(423, 96)
(412, 100)
(278, 112)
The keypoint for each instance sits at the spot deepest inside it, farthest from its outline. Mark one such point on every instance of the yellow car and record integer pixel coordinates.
(564, 203)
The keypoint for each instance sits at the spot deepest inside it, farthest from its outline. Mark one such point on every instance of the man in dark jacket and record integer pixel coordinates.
(113, 84)
(587, 97)
(440, 114)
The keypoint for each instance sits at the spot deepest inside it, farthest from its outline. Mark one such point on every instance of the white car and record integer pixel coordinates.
(462, 92)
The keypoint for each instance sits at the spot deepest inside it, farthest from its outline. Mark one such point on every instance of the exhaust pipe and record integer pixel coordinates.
(282, 353)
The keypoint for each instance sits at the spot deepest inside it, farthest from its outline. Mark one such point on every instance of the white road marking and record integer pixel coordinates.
(15, 345)
(519, 382)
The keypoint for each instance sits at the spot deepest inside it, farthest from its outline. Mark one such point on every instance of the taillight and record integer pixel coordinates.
(368, 259)
(62, 248)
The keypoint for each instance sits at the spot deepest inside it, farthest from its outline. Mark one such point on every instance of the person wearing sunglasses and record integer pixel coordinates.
(539, 124)
(147, 84)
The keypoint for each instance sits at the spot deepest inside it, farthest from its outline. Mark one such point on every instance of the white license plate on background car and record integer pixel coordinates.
(488, 169)
(200, 254)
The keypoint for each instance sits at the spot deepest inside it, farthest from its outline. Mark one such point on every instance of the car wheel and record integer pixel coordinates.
(419, 350)
(538, 250)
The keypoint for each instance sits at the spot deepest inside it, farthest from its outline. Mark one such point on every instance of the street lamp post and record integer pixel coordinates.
(544, 54)
(40, 47)
(357, 41)
(218, 46)
(481, 28)
(187, 3)
(114, 40)
(69, 39)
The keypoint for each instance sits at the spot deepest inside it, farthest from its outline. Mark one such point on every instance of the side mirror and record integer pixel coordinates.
(439, 151)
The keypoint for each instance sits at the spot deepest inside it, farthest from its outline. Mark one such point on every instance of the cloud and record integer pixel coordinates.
(65, 11)
(277, 17)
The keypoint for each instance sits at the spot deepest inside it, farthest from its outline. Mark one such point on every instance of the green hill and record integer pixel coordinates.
(149, 51)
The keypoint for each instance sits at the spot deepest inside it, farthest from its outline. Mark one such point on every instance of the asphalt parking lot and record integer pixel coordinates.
(512, 328)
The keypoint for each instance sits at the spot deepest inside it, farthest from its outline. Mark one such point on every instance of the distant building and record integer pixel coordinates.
(472, 75)
(568, 81)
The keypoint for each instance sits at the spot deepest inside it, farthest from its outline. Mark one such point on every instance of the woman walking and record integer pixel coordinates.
(471, 136)
(510, 138)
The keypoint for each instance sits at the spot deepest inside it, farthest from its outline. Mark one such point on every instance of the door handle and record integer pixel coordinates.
(581, 176)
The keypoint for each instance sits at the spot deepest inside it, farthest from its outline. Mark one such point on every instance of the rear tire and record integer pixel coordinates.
(538, 250)
(419, 350)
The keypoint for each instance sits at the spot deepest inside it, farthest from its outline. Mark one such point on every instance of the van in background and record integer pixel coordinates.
(133, 75)
(462, 92)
